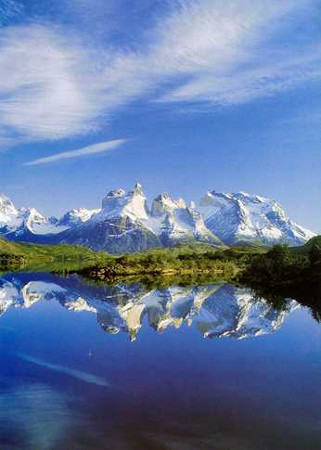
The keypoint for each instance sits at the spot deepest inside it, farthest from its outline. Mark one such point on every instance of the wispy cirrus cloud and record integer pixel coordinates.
(55, 83)
(9, 9)
(89, 150)
(43, 84)
(234, 52)
(251, 83)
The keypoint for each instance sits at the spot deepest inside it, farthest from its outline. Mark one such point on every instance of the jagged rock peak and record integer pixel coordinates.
(5, 202)
(76, 216)
(138, 190)
(112, 197)
(121, 203)
(181, 203)
(125, 222)
(164, 204)
(116, 193)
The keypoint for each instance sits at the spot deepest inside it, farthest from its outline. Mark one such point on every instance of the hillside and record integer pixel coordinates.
(48, 257)
(305, 249)
(183, 259)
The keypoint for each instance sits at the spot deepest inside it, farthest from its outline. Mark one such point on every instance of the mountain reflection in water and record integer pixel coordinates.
(216, 310)
(71, 379)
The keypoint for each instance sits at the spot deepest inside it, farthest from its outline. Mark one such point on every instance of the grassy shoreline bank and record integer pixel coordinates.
(262, 268)
(273, 274)
(183, 259)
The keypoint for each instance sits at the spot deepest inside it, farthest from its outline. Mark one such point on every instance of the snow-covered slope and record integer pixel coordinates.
(9, 217)
(76, 217)
(216, 310)
(23, 223)
(118, 226)
(242, 217)
(132, 204)
(125, 223)
(174, 222)
(27, 224)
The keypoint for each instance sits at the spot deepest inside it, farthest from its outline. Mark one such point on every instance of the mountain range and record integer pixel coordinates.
(216, 310)
(126, 223)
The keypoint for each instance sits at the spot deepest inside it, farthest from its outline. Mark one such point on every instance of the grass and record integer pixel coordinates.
(185, 259)
(46, 257)
(188, 259)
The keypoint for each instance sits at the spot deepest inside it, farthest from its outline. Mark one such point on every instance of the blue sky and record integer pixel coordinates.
(185, 96)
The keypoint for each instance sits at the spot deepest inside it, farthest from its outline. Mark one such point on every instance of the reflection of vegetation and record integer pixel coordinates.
(306, 295)
(276, 274)
(283, 266)
(160, 282)
(288, 272)
(278, 301)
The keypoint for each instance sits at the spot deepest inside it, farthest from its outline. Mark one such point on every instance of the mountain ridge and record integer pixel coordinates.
(126, 223)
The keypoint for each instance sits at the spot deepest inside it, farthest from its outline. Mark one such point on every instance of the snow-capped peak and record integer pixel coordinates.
(242, 217)
(138, 189)
(9, 216)
(19, 223)
(126, 224)
(120, 203)
(6, 205)
(164, 204)
(77, 216)
(31, 217)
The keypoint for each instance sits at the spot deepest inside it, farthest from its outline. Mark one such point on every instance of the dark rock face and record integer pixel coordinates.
(117, 235)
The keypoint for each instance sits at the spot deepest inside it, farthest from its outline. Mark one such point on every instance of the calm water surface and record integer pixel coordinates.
(132, 367)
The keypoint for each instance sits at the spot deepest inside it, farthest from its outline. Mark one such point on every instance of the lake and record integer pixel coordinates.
(132, 366)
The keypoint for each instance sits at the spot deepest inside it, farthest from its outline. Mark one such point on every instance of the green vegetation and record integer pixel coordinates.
(305, 249)
(46, 257)
(188, 259)
(274, 274)
(288, 273)
(283, 266)
(256, 266)
(184, 259)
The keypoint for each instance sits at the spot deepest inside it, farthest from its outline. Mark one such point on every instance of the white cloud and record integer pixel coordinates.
(53, 85)
(101, 147)
(250, 84)
(44, 84)
(228, 53)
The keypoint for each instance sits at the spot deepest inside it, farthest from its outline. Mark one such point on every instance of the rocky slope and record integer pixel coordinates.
(242, 218)
(125, 223)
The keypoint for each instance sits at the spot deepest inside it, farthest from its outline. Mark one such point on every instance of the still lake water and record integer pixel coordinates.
(132, 367)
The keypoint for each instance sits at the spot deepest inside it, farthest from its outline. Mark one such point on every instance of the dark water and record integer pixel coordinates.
(132, 367)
